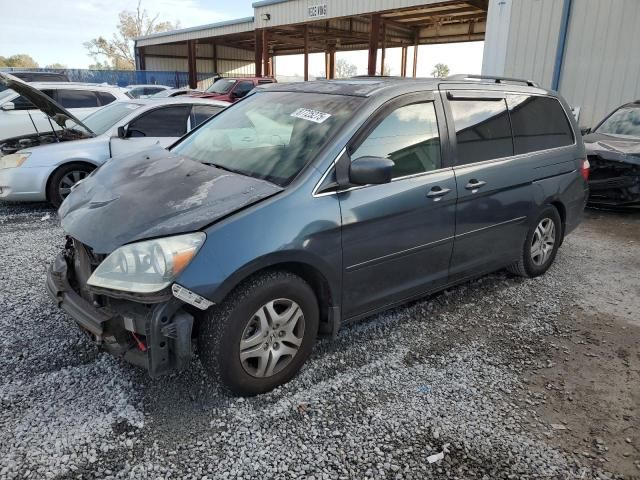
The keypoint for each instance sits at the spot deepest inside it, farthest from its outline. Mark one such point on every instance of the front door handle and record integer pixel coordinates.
(437, 193)
(475, 184)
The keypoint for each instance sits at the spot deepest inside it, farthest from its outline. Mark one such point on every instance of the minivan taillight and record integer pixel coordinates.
(585, 169)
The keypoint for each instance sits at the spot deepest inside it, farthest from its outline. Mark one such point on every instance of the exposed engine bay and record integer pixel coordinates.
(12, 145)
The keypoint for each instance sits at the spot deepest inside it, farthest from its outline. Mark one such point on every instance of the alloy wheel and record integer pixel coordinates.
(69, 180)
(543, 241)
(272, 338)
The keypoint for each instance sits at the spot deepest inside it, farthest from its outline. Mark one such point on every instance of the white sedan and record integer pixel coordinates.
(47, 172)
(19, 116)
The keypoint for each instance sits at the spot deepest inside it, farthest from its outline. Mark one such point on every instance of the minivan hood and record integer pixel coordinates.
(151, 194)
(46, 104)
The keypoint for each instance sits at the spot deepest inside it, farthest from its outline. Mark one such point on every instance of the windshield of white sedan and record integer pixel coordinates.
(624, 121)
(104, 119)
(270, 135)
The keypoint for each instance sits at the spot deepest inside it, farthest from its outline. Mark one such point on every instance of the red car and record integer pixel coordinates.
(233, 89)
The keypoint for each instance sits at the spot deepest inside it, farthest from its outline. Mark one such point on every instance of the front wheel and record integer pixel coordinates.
(540, 246)
(63, 179)
(261, 335)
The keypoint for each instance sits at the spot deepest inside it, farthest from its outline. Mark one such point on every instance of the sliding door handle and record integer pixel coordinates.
(475, 184)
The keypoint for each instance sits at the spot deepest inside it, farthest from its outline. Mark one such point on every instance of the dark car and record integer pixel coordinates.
(307, 206)
(233, 89)
(613, 150)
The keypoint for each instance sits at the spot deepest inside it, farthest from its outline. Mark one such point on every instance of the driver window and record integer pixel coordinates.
(408, 136)
(162, 122)
(242, 89)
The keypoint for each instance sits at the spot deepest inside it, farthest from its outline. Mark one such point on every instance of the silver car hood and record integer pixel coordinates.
(44, 103)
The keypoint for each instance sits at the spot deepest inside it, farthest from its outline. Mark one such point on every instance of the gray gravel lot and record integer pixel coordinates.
(485, 372)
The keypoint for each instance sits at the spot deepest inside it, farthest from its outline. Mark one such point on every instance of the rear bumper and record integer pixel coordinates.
(157, 338)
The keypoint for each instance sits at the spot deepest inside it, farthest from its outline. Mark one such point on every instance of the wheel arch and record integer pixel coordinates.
(83, 162)
(318, 277)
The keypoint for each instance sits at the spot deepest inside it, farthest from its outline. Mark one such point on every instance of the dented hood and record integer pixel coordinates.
(46, 104)
(151, 194)
(626, 150)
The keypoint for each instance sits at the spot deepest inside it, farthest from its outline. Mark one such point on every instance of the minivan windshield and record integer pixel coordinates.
(269, 135)
(624, 121)
(222, 87)
(105, 118)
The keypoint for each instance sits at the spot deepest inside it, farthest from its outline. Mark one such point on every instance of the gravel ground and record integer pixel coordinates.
(508, 378)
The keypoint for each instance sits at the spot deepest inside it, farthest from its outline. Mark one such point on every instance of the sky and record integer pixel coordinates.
(54, 32)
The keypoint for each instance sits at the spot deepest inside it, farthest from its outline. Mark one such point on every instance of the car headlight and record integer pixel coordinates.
(149, 266)
(13, 160)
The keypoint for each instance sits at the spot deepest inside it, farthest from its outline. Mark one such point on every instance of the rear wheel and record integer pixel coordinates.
(63, 179)
(261, 335)
(540, 246)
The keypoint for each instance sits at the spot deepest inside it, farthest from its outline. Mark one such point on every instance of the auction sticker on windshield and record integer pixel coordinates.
(311, 115)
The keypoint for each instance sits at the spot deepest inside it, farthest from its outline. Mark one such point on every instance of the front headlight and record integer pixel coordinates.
(13, 160)
(149, 266)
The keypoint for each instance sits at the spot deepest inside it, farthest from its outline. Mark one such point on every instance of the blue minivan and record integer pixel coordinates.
(306, 206)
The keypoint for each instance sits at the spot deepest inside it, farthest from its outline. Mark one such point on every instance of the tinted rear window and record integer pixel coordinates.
(77, 98)
(538, 123)
(483, 131)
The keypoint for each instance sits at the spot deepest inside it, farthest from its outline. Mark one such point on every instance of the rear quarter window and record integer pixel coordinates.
(539, 123)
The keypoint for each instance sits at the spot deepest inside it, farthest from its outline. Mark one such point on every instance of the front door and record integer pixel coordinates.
(162, 126)
(397, 238)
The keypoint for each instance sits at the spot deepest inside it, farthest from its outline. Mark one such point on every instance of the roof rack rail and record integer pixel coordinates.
(463, 76)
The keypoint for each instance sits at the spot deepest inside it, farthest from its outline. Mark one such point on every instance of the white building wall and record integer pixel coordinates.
(602, 58)
(297, 11)
(601, 66)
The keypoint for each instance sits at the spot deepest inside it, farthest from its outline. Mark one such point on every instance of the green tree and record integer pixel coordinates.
(440, 70)
(20, 60)
(57, 66)
(119, 50)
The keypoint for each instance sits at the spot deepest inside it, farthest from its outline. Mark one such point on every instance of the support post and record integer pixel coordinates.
(403, 62)
(374, 37)
(191, 64)
(331, 71)
(416, 42)
(383, 52)
(306, 53)
(258, 53)
(214, 57)
(265, 53)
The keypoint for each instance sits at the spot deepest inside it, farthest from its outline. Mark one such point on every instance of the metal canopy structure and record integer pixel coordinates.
(290, 27)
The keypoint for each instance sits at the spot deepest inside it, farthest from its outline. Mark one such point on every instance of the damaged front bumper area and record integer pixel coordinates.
(155, 336)
(614, 178)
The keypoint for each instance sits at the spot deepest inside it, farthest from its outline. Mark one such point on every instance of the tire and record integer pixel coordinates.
(239, 344)
(61, 179)
(534, 262)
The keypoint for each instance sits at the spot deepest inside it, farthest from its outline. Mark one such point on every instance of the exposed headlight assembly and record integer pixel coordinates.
(149, 266)
(13, 160)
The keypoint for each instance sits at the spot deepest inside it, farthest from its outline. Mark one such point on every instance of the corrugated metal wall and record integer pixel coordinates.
(231, 61)
(601, 67)
(296, 11)
(602, 58)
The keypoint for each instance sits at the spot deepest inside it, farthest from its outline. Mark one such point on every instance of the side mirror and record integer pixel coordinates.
(122, 132)
(8, 106)
(585, 131)
(370, 170)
